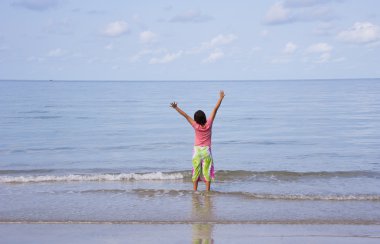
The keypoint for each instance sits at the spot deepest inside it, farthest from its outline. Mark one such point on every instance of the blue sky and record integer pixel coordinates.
(189, 40)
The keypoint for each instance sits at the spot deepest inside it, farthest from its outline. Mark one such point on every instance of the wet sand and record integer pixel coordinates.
(186, 233)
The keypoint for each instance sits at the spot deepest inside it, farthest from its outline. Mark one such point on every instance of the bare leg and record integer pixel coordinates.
(208, 185)
(195, 185)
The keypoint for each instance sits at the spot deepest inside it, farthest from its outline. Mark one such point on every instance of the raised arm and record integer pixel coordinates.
(213, 113)
(187, 117)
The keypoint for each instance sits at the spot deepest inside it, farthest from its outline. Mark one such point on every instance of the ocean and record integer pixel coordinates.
(285, 152)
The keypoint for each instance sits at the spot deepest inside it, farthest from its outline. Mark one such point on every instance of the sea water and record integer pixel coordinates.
(302, 151)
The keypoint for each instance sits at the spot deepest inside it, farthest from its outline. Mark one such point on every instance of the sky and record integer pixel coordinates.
(189, 40)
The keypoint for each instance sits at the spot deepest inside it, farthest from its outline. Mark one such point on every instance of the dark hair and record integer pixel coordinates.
(200, 117)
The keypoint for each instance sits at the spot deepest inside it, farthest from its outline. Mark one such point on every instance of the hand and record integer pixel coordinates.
(221, 94)
(173, 105)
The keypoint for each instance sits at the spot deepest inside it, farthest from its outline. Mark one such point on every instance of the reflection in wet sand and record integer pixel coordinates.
(202, 212)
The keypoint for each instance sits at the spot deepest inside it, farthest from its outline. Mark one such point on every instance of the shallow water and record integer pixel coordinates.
(284, 151)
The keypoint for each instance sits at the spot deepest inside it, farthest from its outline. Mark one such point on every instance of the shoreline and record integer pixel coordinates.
(190, 222)
(184, 233)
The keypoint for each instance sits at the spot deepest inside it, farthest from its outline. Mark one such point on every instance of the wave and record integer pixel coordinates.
(309, 197)
(262, 196)
(91, 177)
(143, 192)
(25, 176)
(225, 175)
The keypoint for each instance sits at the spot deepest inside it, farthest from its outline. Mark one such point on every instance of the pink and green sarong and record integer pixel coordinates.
(203, 164)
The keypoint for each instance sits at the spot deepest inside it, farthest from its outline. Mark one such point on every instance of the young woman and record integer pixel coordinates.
(202, 157)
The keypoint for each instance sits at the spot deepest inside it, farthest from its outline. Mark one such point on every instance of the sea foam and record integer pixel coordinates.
(92, 177)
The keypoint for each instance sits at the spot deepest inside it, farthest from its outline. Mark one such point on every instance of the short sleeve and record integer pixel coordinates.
(193, 124)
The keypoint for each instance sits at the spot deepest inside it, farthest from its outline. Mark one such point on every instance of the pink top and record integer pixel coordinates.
(202, 133)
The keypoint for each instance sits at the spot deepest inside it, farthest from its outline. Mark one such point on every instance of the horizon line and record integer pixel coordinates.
(198, 80)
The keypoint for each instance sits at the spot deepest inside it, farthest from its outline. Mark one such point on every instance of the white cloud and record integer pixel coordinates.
(360, 32)
(286, 57)
(289, 48)
(321, 47)
(167, 58)
(109, 46)
(215, 42)
(327, 57)
(148, 37)
(307, 3)
(277, 13)
(37, 5)
(35, 59)
(220, 40)
(214, 56)
(58, 52)
(324, 57)
(298, 11)
(320, 52)
(146, 52)
(116, 28)
(264, 33)
(191, 16)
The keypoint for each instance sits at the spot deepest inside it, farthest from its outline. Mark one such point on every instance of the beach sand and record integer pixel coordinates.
(186, 233)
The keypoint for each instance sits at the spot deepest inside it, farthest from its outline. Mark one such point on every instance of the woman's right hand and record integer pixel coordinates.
(173, 105)
(221, 94)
